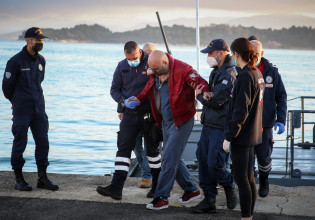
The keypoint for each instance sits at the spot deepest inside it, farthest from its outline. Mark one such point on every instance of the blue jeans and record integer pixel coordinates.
(212, 160)
(142, 158)
(174, 141)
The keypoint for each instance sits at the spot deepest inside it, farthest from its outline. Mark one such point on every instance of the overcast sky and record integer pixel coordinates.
(121, 15)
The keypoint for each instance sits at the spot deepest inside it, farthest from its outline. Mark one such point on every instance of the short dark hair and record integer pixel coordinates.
(245, 49)
(130, 46)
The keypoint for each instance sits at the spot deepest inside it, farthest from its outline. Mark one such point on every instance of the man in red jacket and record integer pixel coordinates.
(172, 96)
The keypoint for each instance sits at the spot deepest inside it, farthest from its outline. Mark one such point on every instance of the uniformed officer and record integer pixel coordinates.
(21, 84)
(129, 79)
(211, 157)
(274, 115)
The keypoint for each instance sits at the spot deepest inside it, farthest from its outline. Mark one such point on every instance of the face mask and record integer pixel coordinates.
(257, 63)
(38, 47)
(134, 63)
(234, 62)
(212, 62)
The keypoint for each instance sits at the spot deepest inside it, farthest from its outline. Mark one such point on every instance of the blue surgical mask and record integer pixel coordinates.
(134, 63)
(234, 62)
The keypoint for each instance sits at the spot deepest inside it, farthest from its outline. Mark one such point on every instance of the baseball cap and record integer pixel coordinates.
(217, 44)
(34, 32)
(253, 37)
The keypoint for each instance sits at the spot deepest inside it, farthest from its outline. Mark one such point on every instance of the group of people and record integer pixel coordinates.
(156, 95)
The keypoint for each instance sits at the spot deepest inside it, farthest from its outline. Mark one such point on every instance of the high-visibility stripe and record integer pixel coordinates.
(123, 159)
(124, 168)
(154, 165)
(154, 159)
(265, 168)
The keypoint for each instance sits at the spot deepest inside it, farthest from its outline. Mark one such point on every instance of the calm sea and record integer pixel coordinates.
(82, 115)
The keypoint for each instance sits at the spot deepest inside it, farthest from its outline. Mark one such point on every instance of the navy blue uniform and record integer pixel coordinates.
(274, 110)
(129, 81)
(21, 85)
(210, 154)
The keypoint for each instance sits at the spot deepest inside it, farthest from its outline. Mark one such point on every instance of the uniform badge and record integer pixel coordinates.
(7, 75)
(40, 67)
(268, 79)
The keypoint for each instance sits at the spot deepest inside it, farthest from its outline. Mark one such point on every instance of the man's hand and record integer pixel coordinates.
(207, 95)
(199, 89)
(132, 102)
(120, 115)
(226, 146)
(280, 126)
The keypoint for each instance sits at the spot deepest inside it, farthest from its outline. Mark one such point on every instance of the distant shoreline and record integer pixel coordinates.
(187, 45)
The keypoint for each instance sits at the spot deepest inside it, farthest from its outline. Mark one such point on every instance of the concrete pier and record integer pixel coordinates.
(78, 199)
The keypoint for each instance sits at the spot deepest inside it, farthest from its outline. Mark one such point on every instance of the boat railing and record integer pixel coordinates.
(296, 120)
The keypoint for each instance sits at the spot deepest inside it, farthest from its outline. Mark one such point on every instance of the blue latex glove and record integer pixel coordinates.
(280, 126)
(131, 104)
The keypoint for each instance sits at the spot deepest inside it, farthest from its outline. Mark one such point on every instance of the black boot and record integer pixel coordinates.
(20, 183)
(231, 198)
(207, 205)
(155, 177)
(43, 181)
(113, 192)
(263, 185)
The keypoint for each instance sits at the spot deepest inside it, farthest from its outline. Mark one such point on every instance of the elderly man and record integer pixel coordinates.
(274, 115)
(21, 84)
(211, 157)
(173, 105)
(149, 47)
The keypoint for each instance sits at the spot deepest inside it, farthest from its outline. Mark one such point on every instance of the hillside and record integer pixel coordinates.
(286, 38)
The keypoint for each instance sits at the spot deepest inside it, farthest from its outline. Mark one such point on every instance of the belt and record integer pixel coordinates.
(136, 112)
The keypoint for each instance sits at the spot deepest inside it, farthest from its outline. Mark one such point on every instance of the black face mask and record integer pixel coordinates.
(38, 47)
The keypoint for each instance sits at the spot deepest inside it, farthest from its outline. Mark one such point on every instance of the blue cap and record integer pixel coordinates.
(217, 44)
(253, 37)
(34, 32)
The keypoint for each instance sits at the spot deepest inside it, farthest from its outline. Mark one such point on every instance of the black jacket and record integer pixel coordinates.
(221, 82)
(130, 81)
(244, 118)
(275, 96)
(21, 83)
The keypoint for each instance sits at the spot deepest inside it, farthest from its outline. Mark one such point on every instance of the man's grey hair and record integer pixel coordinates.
(257, 43)
(150, 46)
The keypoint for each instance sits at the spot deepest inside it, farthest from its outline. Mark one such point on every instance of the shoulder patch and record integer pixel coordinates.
(40, 67)
(7, 75)
(269, 79)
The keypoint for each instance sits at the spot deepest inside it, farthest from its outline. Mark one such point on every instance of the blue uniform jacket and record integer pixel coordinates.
(275, 96)
(130, 81)
(22, 83)
(221, 82)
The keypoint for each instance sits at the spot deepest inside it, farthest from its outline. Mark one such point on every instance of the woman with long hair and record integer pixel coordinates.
(243, 129)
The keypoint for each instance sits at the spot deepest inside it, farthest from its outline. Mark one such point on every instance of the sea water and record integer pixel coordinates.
(83, 120)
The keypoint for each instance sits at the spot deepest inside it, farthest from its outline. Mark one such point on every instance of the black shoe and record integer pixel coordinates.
(111, 191)
(45, 183)
(207, 205)
(263, 185)
(231, 198)
(151, 194)
(22, 185)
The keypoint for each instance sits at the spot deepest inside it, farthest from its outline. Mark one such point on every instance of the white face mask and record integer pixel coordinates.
(212, 62)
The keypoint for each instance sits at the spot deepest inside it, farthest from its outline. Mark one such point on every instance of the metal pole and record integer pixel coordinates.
(302, 105)
(163, 34)
(197, 36)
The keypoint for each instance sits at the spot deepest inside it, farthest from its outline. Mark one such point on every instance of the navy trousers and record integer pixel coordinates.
(39, 127)
(212, 161)
(264, 150)
(130, 127)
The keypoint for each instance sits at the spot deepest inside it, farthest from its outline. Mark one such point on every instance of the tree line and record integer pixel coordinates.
(286, 38)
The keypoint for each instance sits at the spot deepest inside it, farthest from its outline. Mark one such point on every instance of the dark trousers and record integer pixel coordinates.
(39, 127)
(212, 161)
(130, 126)
(243, 162)
(264, 150)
